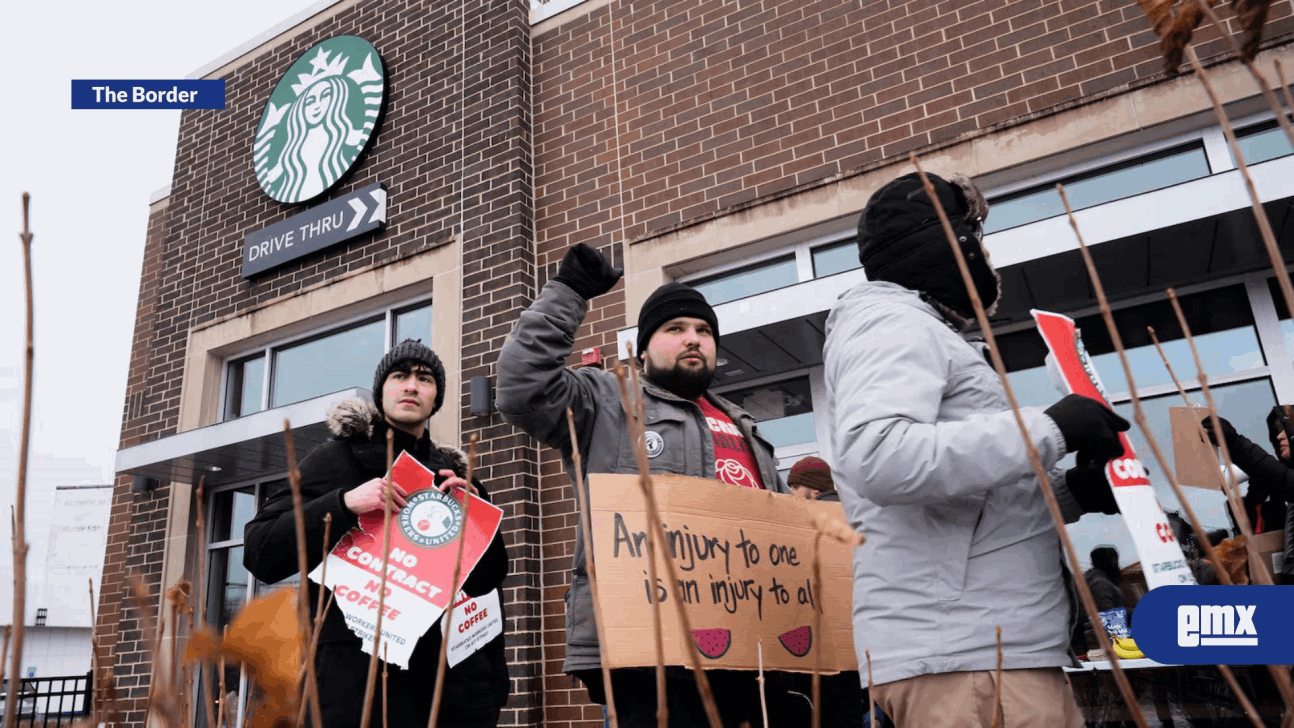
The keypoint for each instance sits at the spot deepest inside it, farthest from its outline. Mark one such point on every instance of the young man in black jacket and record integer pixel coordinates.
(345, 477)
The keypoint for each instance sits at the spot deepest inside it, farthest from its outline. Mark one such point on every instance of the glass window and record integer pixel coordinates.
(1245, 405)
(1095, 188)
(230, 512)
(759, 278)
(413, 323)
(243, 387)
(1220, 320)
(835, 258)
(327, 364)
(784, 410)
(1263, 142)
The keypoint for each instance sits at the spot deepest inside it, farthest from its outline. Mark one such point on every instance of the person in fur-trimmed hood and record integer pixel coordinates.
(344, 477)
(930, 464)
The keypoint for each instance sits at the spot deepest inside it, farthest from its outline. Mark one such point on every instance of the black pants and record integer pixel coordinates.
(736, 694)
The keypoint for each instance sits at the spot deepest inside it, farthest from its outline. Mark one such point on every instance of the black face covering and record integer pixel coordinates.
(902, 241)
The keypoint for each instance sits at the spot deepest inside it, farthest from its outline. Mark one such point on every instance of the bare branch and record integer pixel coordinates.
(370, 682)
(20, 495)
(454, 584)
(586, 527)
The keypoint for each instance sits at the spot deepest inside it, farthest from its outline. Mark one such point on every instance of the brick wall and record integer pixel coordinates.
(722, 106)
(193, 259)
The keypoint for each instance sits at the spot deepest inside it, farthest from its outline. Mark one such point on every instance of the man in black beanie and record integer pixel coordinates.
(690, 431)
(345, 477)
(928, 458)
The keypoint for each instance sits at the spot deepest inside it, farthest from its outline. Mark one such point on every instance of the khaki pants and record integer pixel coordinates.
(1038, 697)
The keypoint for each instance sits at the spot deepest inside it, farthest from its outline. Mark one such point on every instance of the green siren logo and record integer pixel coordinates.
(431, 518)
(319, 119)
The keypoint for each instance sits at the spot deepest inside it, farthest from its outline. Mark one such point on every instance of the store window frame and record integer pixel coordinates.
(1210, 137)
(266, 353)
(787, 455)
(801, 251)
(209, 600)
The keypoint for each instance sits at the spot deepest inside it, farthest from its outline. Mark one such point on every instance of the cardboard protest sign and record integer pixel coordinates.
(744, 561)
(1191, 459)
(425, 535)
(1161, 556)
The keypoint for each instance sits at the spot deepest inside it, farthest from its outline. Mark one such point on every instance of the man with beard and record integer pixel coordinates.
(690, 431)
(1271, 479)
(930, 462)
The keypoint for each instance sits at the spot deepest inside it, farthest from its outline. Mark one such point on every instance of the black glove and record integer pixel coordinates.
(1091, 490)
(1228, 431)
(587, 271)
(1089, 427)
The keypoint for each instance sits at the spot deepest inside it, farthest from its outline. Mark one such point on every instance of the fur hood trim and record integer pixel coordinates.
(356, 417)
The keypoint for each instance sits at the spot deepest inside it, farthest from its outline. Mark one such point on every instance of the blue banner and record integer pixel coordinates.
(1216, 625)
(117, 94)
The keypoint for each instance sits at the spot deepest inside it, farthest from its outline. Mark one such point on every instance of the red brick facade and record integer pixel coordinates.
(716, 107)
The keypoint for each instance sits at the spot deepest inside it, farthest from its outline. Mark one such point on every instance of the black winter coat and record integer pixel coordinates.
(476, 689)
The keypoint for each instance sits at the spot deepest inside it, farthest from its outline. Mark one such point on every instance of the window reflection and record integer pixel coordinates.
(784, 410)
(1154, 172)
(1263, 142)
(230, 511)
(328, 364)
(413, 324)
(243, 389)
(837, 258)
(1245, 405)
(1220, 321)
(759, 278)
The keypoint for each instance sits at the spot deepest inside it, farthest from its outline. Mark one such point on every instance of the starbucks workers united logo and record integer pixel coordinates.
(431, 518)
(319, 119)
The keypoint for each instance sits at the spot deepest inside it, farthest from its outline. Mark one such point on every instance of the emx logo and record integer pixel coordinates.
(1216, 625)
(1220, 625)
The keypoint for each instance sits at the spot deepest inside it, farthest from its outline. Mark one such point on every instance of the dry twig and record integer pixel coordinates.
(1174, 28)
(871, 689)
(644, 483)
(657, 526)
(1247, 57)
(586, 527)
(763, 698)
(303, 585)
(370, 682)
(1260, 215)
(20, 494)
(1044, 482)
(998, 715)
(455, 585)
(1285, 89)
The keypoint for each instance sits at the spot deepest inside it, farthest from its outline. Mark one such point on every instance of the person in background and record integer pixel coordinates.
(1271, 478)
(811, 478)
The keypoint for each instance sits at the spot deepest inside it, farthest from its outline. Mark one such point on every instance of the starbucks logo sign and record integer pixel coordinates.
(431, 518)
(320, 118)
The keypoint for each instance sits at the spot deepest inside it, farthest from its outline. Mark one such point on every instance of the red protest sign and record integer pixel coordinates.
(1080, 377)
(425, 538)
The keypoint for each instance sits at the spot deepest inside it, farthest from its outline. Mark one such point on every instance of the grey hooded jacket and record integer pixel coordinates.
(930, 465)
(534, 389)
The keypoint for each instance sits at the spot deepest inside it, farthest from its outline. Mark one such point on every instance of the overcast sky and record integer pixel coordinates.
(90, 174)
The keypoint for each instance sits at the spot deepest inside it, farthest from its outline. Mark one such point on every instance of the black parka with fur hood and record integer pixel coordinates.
(475, 689)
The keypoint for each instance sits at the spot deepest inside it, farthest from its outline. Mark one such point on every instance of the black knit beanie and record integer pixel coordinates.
(668, 302)
(900, 240)
(409, 352)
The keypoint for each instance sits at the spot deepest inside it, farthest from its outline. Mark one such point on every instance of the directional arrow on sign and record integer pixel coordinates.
(305, 233)
(379, 210)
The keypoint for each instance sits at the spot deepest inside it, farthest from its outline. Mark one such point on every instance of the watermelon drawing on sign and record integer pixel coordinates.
(713, 643)
(797, 641)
